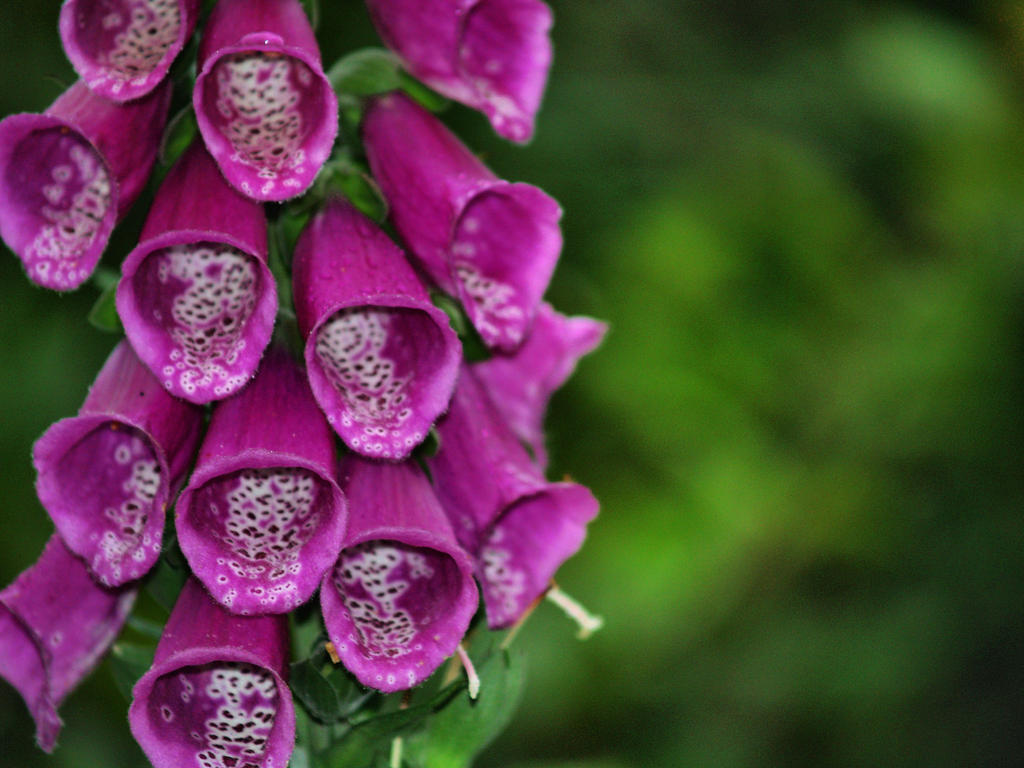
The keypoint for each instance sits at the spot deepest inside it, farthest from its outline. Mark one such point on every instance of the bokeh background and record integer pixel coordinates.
(804, 221)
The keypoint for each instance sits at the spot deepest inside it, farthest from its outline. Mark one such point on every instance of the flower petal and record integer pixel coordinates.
(122, 49)
(262, 519)
(55, 624)
(401, 595)
(215, 695)
(265, 109)
(196, 298)
(382, 360)
(107, 475)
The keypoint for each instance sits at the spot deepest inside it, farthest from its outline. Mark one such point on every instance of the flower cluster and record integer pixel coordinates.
(205, 406)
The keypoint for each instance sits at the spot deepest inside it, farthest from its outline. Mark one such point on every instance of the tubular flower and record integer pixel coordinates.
(122, 49)
(68, 175)
(492, 55)
(521, 384)
(262, 519)
(265, 108)
(107, 474)
(519, 527)
(55, 624)
(491, 243)
(401, 595)
(381, 359)
(215, 695)
(196, 297)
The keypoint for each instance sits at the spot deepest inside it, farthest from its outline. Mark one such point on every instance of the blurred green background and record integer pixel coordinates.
(804, 221)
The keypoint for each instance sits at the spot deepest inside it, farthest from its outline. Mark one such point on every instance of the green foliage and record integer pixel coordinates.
(103, 315)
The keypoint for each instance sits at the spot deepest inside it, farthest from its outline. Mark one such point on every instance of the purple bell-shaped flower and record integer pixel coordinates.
(107, 475)
(262, 519)
(492, 55)
(401, 595)
(68, 175)
(55, 625)
(265, 108)
(215, 695)
(122, 49)
(381, 359)
(196, 297)
(491, 243)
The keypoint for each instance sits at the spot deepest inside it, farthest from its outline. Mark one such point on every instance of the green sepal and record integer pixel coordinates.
(426, 97)
(179, 134)
(473, 348)
(129, 662)
(315, 692)
(103, 314)
(365, 72)
(312, 9)
(166, 579)
(369, 739)
(462, 729)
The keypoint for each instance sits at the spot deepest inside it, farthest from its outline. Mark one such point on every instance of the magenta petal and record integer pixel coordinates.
(401, 596)
(519, 527)
(265, 109)
(381, 359)
(492, 55)
(107, 475)
(215, 695)
(67, 176)
(55, 624)
(521, 384)
(122, 49)
(196, 297)
(262, 519)
(491, 243)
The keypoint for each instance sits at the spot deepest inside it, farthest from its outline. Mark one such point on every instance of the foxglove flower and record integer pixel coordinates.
(196, 298)
(107, 474)
(519, 527)
(401, 596)
(55, 624)
(262, 519)
(122, 49)
(68, 175)
(215, 695)
(381, 359)
(492, 55)
(521, 384)
(265, 109)
(491, 243)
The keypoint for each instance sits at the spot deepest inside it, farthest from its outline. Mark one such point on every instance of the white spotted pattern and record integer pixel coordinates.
(209, 317)
(350, 347)
(502, 582)
(493, 301)
(237, 734)
(270, 515)
(74, 218)
(126, 538)
(152, 28)
(259, 97)
(383, 628)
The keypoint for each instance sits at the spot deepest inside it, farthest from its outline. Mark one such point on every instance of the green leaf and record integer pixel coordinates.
(461, 730)
(473, 348)
(145, 627)
(365, 72)
(363, 192)
(312, 8)
(180, 132)
(369, 739)
(165, 580)
(129, 662)
(314, 692)
(103, 314)
(427, 98)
